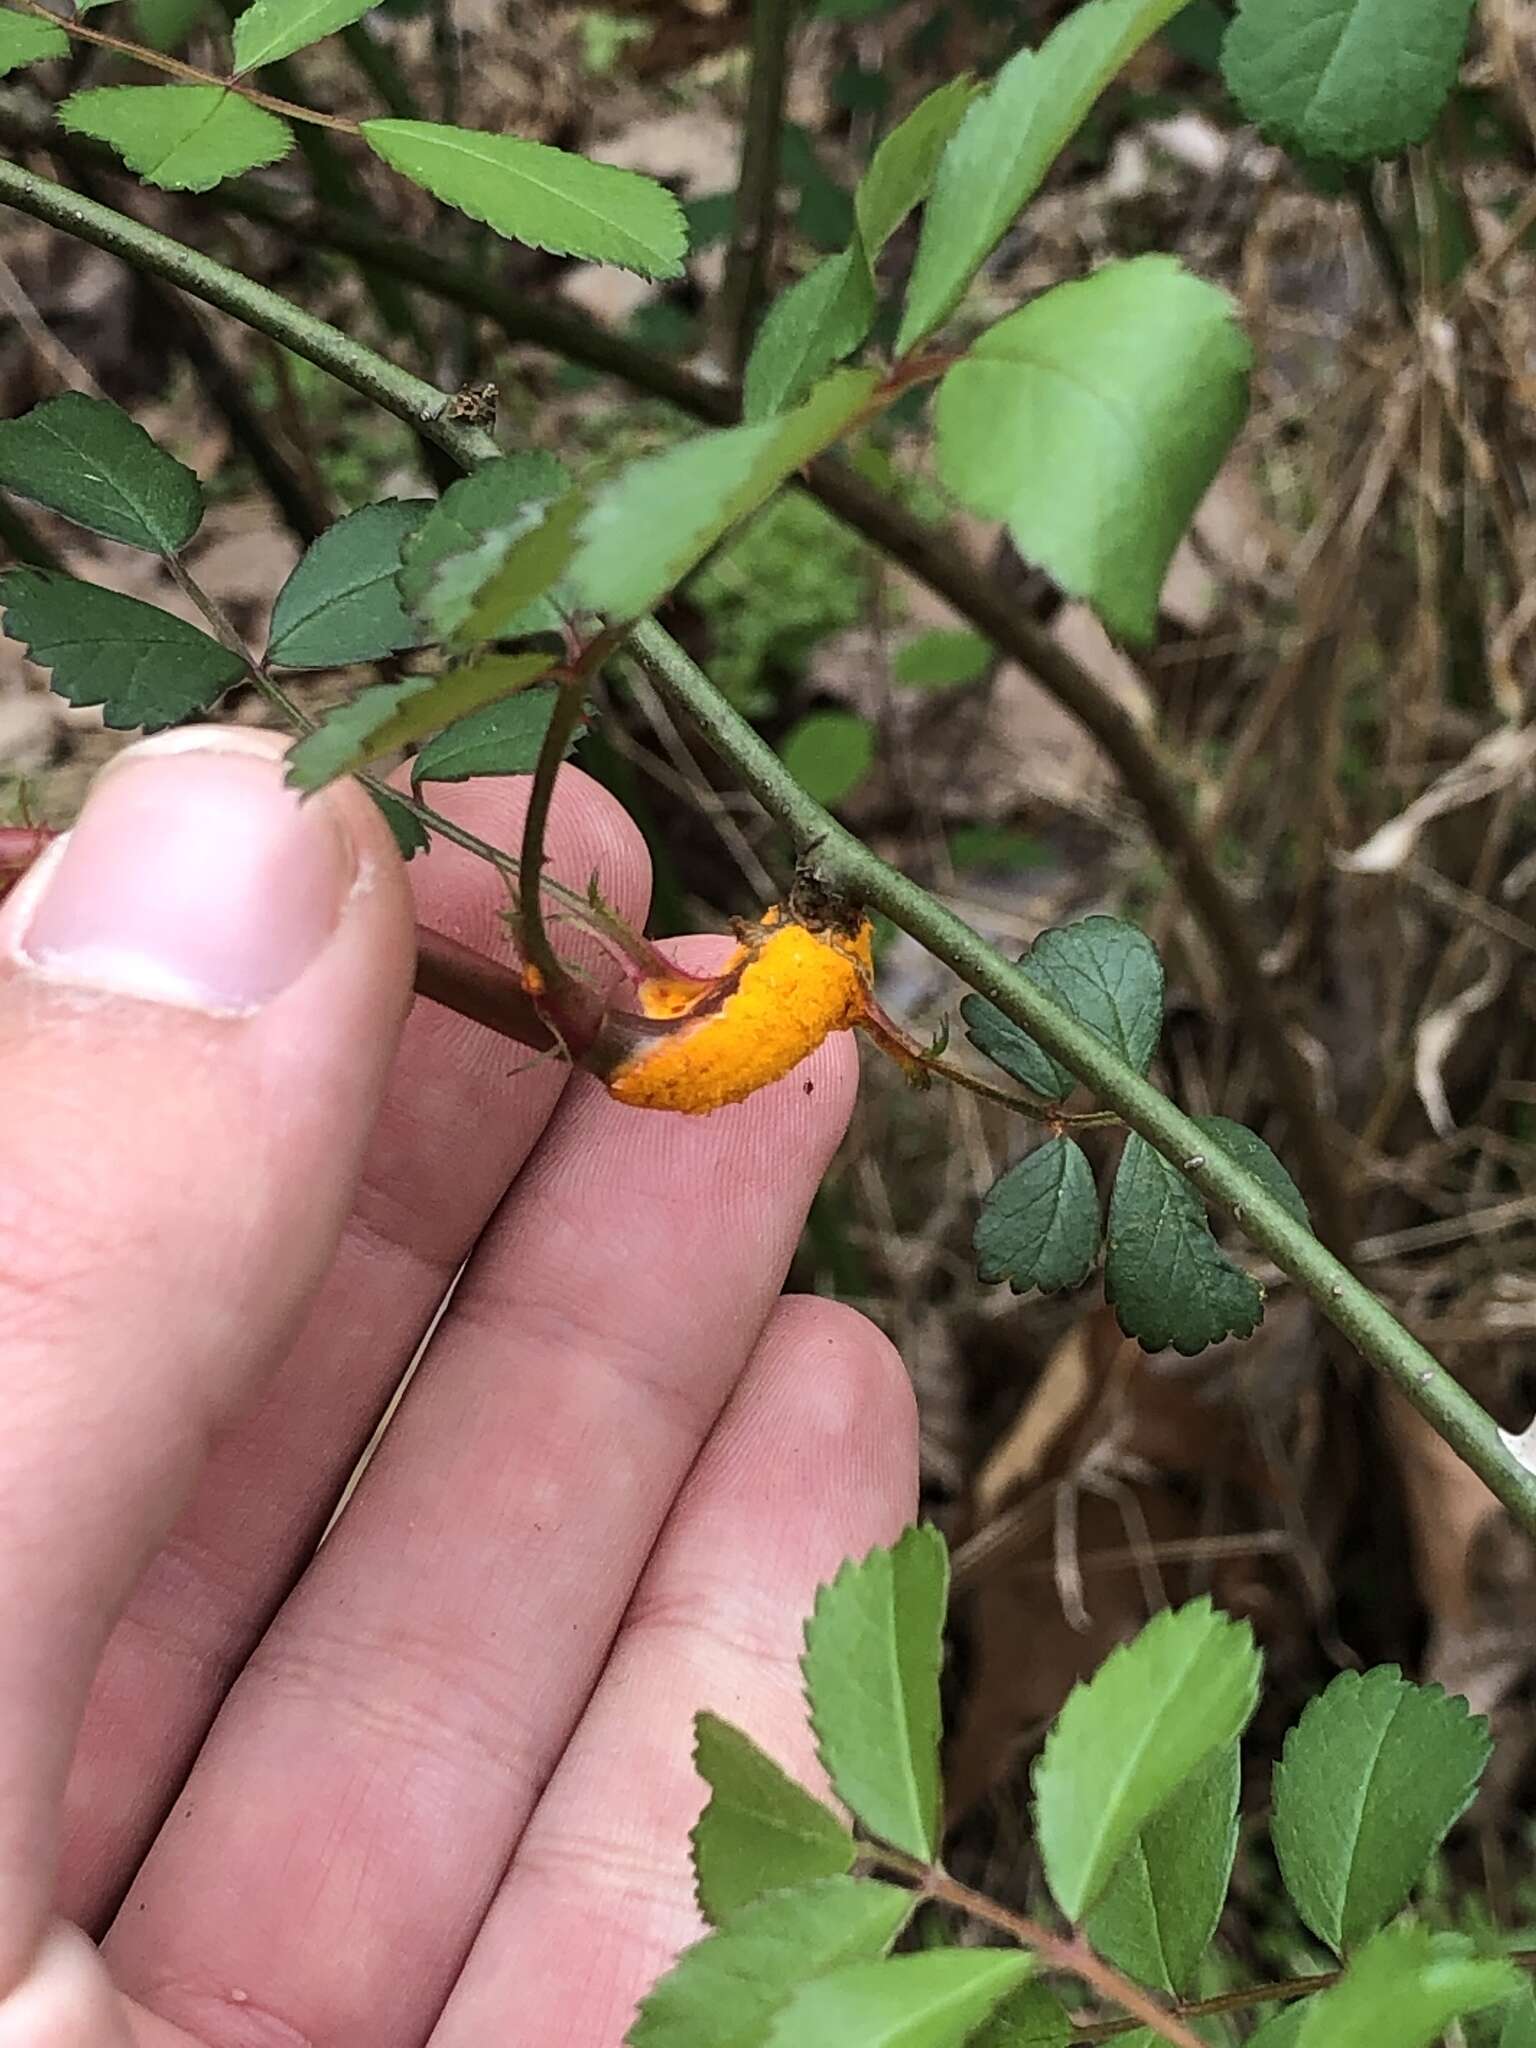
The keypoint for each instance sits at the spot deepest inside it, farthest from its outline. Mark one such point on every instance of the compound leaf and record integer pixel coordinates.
(1374, 1775)
(141, 665)
(760, 1832)
(340, 604)
(272, 29)
(88, 459)
(1106, 973)
(503, 738)
(184, 138)
(932, 2000)
(1092, 422)
(1405, 1987)
(548, 198)
(27, 39)
(1165, 1276)
(873, 1646)
(1039, 1224)
(1152, 1714)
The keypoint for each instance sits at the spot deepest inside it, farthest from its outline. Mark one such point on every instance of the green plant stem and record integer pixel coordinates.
(851, 867)
(757, 186)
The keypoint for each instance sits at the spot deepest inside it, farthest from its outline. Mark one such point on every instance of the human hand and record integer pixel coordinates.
(435, 1782)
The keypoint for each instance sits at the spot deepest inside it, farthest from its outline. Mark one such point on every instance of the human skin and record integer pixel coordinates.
(432, 1783)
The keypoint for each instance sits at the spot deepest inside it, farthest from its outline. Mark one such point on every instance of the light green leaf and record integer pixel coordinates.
(941, 659)
(1282, 2028)
(340, 604)
(1093, 421)
(503, 738)
(760, 1832)
(1009, 140)
(1375, 1774)
(1405, 1987)
(1348, 79)
(658, 519)
(729, 1988)
(829, 753)
(388, 716)
(141, 665)
(1030, 2017)
(271, 29)
(902, 170)
(1153, 1713)
(87, 459)
(933, 2000)
(467, 534)
(1039, 1224)
(820, 319)
(1106, 973)
(26, 39)
(545, 197)
(1519, 2027)
(1165, 1276)
(520, 564)
(872, 1652)
(409, 833)
(183, 138)
(1159, 1910)
(338, 742)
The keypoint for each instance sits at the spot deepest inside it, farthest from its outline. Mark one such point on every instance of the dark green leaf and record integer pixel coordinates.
(340, 604)
(1345, 78)
(142, 666)
(517, 566)
(1250, 1151)
(1165, 1276)
(545, 197)
(272, 29)
(1196, 34)
(1124, 1743)
(1159, 1910)
(760, 1832)
(872, 1652)
(1375, 1774)
(184, 138)
(1404, 1988)
(829, 753)
(728, 1988)
(26, 39)
(1009, 140)
(410, 834)
(466, 533)
(501, 739)
(1030, 2017)
(1039, 1225)
(1093, 421)
(87, 459)
(1106, 973)
(941, 659)
(934, 2000)
(820, 319)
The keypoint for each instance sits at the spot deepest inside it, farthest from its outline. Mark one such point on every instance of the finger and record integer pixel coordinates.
(200, 992)
(358, 1798)
(814, 1461)
(462, 1111)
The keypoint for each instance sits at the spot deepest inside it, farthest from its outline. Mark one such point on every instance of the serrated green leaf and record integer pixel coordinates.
(1093, 421)
(518, 570)
(500, 739)
(1165, 1276)
(1156, 1915)
(820, 319)
(183, 138)
(337, 743)
(902, 170)
(1039, 1223)
(1374, 1775)
(1106, 973)
(388, 716)
(545, 197)
(648, 528)
(829, 753)
(27, 39)
(1519, 2022)
(941, 659)
(1251, 1152)
(272, 29)
(141, 665)
(88, 459)
(1009, 140)
(1405, 1987)
(872, 1652)
(1030, 2017)
(760, 1832)
(409, 833)
(934, 2000)
(1156, 1709)
(1348, 79)
(728, 1988)
(340, 604)
(445, 562)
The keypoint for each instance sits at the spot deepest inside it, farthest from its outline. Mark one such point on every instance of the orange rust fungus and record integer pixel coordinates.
(533, 979)
(785, 989)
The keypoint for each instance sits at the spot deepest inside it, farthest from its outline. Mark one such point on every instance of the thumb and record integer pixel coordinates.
(200, 991)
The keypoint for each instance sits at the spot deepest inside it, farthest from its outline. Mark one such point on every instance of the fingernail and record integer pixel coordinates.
(192, 877)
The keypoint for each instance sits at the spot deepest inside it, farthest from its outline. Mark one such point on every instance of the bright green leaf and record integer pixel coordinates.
(141, 665)
(1009, 140)
(89, 460)
(1375, 1774)
(872, 1652)
(409, 833)
(1347, 79)
(1405, 1987)
(933, 2000)
(337, 744)
(729, 1988)
(1039, 1224)
(941, 659)
(545, 197)
(1519, 2027)
(820, 319)
(829, 753)
(1030, 2017)
(468, 533)
(388, 716)
(27, 39)
(1093, 421)
(340, 604)
(1107, 974)
(184, 138)
(1156, 1916)
(503, 738)
(663, 514)
(1126, 1740)
(519, 569)
(760, 1832)
(271, 29)
(1165, 1276)
(902, 170)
